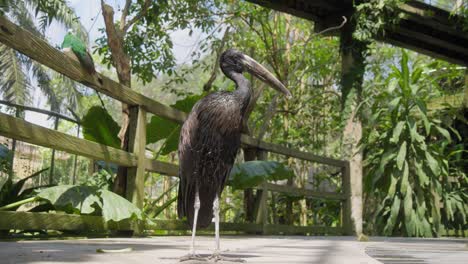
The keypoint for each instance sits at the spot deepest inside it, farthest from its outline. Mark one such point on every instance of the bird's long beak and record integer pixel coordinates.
(255, 68)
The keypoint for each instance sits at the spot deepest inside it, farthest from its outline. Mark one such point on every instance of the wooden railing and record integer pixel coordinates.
(23, 41)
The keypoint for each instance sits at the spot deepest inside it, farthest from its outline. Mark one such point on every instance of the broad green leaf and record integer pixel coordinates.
(444, 133)
(71, 198)
(117, 208)
(404, 179)
(394, 212)
(100, 127)
(408, 210)
(160, 128)
(433, 165)
(392, 187)
(401, 155)
(397, 132)
(416, 74)
(423, 179)
(86, 199)
(252, 173)
(394, 104)
(405, 72)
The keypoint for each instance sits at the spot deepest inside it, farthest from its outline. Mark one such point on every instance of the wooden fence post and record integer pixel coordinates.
(261, 216)
(346, 219)
(136, 175)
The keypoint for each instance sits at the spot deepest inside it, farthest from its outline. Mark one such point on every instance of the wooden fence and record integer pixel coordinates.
(23, 41)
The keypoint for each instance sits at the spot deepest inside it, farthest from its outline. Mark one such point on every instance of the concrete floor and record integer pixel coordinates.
(281, 249)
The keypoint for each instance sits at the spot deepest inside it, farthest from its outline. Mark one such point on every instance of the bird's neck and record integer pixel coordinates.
(243, 91)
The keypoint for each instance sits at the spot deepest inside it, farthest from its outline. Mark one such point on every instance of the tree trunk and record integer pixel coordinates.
(353, 67)
(121, 62)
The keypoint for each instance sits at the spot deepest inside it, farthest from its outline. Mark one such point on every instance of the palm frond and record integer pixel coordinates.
(14, 84)
(61, 12)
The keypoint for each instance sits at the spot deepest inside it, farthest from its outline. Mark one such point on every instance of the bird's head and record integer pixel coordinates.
(235, 61)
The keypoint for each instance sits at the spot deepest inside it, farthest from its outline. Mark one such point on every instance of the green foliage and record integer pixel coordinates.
(12, 192)
(151, 208)
(252, 173)
(405, 161)
(100, 127)
(160, 128)
(374, 16)
(151, 33)
(90, 200)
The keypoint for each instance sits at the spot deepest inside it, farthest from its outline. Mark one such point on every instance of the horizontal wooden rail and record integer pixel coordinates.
(38, 49)
(22, 130)
(302, 192)
(54, 221)
(162, 167)
(250, 141)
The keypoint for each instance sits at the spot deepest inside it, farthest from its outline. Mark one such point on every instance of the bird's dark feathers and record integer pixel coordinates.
(209, 141)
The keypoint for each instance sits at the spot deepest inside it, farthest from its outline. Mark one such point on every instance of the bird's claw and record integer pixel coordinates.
(192, 257)
(218, 257)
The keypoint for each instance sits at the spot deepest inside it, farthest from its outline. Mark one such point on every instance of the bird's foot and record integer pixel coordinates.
(218, 257)
(192, 256)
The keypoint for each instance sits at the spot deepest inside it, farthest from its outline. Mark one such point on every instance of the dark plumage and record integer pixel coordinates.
(210, 137)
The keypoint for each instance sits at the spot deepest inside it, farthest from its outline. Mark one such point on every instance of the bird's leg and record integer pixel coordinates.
(192, 255)
(216, 254)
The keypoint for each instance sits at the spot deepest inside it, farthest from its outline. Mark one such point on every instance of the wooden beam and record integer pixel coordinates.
(22, 130)
(162, 167)
(302, 192)
(52, 221)
(290, 152)
(431, 37)
(423, 48)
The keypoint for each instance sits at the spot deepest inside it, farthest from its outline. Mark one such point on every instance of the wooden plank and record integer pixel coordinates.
(302, 192)
(38, 49)
(423, 48)
(162, 167)
(22, 130)
(53, 221)
(291, 152)
(137, 143)
(433, 38)
(346, 217)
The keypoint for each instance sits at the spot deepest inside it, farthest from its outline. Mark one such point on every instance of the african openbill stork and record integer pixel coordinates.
(209, 141)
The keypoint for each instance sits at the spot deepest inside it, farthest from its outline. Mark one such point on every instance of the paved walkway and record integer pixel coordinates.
(290, 249)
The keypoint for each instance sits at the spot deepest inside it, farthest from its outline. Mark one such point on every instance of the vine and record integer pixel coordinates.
(373, 17)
